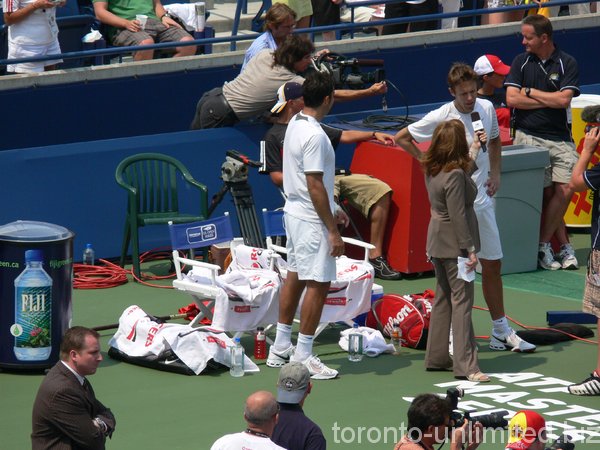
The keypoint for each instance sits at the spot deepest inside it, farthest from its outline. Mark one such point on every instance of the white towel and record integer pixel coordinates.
(374, 343)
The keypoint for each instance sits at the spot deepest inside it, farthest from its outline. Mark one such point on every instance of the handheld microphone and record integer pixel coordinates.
(478, 126)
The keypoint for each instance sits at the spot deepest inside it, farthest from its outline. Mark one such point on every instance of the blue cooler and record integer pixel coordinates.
(376, 294)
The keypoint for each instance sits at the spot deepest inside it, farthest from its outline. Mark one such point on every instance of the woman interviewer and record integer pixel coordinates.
(452, 233)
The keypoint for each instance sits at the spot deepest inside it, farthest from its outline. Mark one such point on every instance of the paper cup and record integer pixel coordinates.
(200, 8)
(141, 18)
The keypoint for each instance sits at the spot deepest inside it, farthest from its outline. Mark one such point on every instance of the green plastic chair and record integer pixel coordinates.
(151, 180)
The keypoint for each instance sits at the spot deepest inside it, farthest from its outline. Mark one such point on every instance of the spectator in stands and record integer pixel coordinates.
(311, 218)
(410, 8)
(492, 73)
(295, 431)
(32, 31)
(254, 91)
(125, 30)
(502, 16)
(326, 12)
(582, 180)
(260, 413)
(280, 21)
(462, 82)
(429, 424)
(303, 10)
(368, 195)
(452, 233)
(541, 83)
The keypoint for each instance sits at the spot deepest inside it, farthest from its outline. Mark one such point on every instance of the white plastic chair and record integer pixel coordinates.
(350, 294)
(242, 298)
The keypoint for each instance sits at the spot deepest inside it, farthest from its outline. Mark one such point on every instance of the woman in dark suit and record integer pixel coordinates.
(452, 232)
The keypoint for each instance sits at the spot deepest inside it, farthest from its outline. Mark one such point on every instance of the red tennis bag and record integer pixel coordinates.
(410, 312)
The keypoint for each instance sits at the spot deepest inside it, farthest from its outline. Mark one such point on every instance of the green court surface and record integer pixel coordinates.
(364, 408)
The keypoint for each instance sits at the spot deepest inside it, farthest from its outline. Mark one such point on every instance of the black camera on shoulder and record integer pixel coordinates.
(493, 420)
(562, 443)
(346, 72)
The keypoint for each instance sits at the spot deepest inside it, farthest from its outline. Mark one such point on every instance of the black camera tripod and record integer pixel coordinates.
(234, 173)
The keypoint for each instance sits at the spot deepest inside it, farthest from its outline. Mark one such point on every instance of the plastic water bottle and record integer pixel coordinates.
(236, 368)
(396, 338)
(89, 255)
(260, 344)
(355, 345)
(33, 310)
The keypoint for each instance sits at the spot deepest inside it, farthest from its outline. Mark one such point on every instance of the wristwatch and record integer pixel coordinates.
(528, 92)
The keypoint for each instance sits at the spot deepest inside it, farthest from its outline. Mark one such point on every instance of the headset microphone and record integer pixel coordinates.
(478, 126)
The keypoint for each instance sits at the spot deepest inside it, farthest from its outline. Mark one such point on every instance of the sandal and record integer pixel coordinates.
(478, 377)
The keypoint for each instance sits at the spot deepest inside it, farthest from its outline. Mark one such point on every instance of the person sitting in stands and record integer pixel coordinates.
(253, 91)
(370, 196)
(125, 30)
(492, 73)
(280, 21)
(32, 31)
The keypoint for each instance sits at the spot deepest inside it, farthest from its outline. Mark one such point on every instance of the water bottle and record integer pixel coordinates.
(260, 344)
(355, 345)
(236, 368)
(89, 256)
(396, 338)
(33, 310)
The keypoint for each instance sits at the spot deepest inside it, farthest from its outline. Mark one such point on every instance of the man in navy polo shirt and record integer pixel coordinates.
(541, 83)
(294, 430)
(582, 180)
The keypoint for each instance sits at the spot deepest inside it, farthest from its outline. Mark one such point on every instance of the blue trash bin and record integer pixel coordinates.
(36, 279)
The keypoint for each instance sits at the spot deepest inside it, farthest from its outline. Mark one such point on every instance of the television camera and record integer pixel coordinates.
(346, 72)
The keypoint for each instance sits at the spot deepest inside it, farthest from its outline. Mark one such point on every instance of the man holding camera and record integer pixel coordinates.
(253, 91)
(429, 423)
(527, 431)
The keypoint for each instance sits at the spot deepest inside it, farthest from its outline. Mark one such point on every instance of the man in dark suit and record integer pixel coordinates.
(66, 414)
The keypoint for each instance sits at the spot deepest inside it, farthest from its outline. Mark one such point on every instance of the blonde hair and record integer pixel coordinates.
(449, 149)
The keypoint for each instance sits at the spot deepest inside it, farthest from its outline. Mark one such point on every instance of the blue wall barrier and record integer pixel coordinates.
(161, 103)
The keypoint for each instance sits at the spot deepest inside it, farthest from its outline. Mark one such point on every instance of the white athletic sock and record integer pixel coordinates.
(283, 337)
(304, 347)
(501, 327)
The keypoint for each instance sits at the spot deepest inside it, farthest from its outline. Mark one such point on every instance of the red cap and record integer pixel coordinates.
(490, 63)
(524, 429)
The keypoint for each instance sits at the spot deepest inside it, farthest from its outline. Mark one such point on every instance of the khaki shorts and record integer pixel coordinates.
(591, 294)
(308, 250)
(563, 157)
(154, 29)
(361, 191)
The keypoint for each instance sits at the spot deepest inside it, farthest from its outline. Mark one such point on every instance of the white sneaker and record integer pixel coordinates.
(277, 358)
(546, 257)
(589, 386)
(318, 370)
(567, 258)
(512, 342)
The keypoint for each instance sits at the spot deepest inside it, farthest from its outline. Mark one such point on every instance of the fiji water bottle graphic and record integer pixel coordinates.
(33, 310)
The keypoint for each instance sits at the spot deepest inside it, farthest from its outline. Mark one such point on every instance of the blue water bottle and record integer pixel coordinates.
(33, 310)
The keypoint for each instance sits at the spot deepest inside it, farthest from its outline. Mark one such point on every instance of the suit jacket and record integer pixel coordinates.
(63, 414)
(453, 226)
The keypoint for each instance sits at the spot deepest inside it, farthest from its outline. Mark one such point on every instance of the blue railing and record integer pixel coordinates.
(96, 54)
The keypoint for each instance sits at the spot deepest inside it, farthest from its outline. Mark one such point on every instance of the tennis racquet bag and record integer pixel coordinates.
(410, 312)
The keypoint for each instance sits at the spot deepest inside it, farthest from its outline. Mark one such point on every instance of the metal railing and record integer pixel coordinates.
(348, 26)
